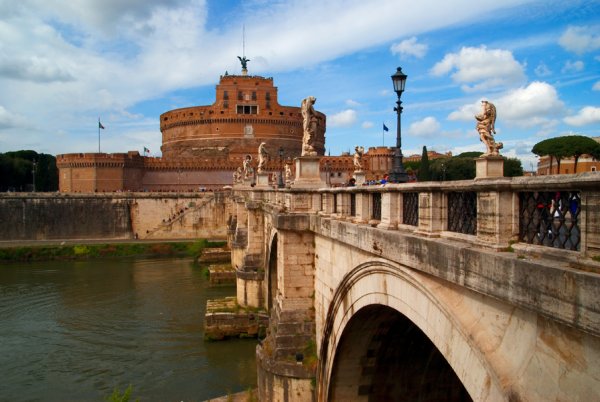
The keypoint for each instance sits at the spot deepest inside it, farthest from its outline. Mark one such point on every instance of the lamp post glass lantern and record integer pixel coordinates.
(398, 174)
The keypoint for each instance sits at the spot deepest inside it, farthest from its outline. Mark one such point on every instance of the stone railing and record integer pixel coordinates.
(545, 215)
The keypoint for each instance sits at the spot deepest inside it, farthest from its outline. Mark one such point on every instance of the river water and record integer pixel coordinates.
(73, 331)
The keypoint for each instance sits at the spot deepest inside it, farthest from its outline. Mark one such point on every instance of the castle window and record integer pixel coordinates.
(240, 95)
(225, 95)
(247, 109)
(268, 96)
(593, 168)
(226, 104)
(253, 95)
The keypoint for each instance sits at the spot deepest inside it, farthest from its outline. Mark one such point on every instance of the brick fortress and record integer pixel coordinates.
(203, 145)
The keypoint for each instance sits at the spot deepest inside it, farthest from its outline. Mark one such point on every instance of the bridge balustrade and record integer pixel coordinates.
(558, 212)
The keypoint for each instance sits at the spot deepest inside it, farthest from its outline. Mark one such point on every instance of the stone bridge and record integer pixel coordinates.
(482, 290)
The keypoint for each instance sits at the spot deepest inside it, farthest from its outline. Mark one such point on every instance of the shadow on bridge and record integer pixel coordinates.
(383, 356)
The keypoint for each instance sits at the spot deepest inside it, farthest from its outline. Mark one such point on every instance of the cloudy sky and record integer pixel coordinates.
(64, 63)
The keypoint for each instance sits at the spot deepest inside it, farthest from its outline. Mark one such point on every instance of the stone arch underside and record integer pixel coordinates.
(271, 271)
(383, 356)
(380, 289)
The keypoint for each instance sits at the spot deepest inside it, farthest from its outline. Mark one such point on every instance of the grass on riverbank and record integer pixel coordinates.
(87, 251)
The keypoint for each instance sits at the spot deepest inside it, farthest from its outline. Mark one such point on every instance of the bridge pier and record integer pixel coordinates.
(286, 359)
(250, 272)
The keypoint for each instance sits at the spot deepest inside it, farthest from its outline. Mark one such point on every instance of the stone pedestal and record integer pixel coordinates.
(262, 180)
(489, 167)
(360, 177)
(247, 182)
(308, 173)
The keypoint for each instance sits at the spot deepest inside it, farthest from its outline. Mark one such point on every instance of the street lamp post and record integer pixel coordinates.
(280, 182)
(398, 174)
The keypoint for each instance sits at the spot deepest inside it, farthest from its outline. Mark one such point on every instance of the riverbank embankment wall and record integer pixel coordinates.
(50, 216)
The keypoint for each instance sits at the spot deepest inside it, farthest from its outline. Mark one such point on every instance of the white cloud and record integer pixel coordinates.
(10, 120)
(409, 47)
(596, 86)
(542, 70)
(535, 104)
(64, 62)
(580, 40)
(480, 68)
(587, 115)
(466, 112)
(573, 66)
(367, 124)
(428, 127)
(344, 118)
(352, 103)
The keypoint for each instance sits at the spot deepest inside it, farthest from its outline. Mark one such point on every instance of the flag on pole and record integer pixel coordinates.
(100, 125)
(385, 127)
(146, 151)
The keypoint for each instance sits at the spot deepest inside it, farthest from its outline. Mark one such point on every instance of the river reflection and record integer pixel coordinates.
(72, 331)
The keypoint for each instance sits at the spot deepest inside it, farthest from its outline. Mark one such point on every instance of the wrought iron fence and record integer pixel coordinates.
(352, 204)
(376, 214)
(462, 212)
(550, 218)
(410, 209)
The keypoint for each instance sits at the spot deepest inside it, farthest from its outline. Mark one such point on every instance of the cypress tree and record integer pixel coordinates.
(424, 172)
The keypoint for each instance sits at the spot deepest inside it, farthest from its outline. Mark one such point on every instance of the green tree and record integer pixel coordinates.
(424, 172)
(16, 171)
(566, 147)
(462, 167)
(512, 167)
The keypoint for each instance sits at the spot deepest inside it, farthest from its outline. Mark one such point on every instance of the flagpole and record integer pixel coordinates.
(98, 134)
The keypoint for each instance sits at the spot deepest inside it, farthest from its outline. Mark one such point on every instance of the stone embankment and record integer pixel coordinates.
(226, 319)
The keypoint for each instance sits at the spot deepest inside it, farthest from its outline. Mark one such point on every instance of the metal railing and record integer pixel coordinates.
(462, 212)
(410, 209)
(550, 218)
(376, 211)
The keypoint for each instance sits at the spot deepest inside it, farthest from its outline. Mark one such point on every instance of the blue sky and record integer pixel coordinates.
(64, 63)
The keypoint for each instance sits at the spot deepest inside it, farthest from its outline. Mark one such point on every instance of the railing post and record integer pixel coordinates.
(432, 213)
(590, 223)
(363, 213)
(391, 212)
(495, 216)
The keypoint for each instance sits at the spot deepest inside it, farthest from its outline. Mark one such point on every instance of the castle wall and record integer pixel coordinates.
(45, 216)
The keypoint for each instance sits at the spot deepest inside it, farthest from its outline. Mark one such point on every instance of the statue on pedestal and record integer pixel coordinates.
(288, 173)
(263, 156)
(244, 62)
(358, 155)
(237, 176)
(248, 169)
(486, 121)
(309, 125)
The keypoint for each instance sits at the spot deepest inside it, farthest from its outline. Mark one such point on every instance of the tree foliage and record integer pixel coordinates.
(566, 147)
(462, 167)
(424, 171)
(16, 171)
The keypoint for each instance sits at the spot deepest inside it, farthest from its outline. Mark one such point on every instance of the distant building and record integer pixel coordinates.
(203, 145)
(430, 154)
(585, 163)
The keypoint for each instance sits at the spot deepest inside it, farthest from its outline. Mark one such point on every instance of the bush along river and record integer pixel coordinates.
(74, 330)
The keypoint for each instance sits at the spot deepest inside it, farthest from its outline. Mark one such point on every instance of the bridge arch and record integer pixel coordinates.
(377, 304)
(271, 271)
